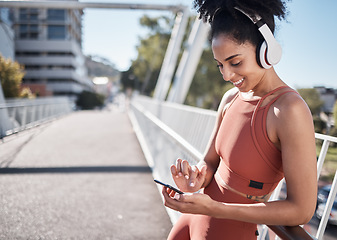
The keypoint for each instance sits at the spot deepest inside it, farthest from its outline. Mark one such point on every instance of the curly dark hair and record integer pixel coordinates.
(225, 19)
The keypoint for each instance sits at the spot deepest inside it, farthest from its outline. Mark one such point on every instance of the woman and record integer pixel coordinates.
(264, 132)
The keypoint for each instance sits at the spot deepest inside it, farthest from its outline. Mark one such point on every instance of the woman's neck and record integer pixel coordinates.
(269, 82)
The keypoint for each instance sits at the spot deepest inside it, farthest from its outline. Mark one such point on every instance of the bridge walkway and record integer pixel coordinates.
(83, 176)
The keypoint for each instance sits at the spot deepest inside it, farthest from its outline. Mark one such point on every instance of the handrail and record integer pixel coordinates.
(154, 118)
(19, 114)
(291, 233)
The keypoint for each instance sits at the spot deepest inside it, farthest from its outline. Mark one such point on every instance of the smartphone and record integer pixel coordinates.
(169, 186)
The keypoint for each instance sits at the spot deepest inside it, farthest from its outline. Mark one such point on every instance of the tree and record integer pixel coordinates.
(208, 86)
(314, 102)
(312, 98)
(144, 70)
(89, 100)
(334, 129)
(11, 74)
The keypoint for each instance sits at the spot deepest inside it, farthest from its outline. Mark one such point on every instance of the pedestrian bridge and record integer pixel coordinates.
(85, 175)
(89, 174)
(80, 176)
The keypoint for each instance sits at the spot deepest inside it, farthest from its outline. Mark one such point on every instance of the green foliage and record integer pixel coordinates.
(319, 124)
(144, 71)
(89, 100)
(156, 25)
(207, 86)
(26, 93)
(330, 162)
(333, 131)
(312, 98)
(11, 74)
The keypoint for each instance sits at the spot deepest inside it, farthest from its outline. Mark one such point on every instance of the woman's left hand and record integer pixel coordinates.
(196, 203)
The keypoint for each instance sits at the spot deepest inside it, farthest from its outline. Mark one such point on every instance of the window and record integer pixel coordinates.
(27, 31)
(34, 28)
(56, 14)
(28, 14)
(56, 32)
(23, 28)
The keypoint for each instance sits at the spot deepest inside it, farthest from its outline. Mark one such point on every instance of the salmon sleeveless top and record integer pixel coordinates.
(250, 163)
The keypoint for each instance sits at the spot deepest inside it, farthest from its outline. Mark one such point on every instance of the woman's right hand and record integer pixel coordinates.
(188, 178)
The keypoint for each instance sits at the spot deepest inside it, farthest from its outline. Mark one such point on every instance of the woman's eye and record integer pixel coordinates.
(219, 65)
(236, 64)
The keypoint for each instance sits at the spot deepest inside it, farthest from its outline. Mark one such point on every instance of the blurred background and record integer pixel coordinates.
(102, 58)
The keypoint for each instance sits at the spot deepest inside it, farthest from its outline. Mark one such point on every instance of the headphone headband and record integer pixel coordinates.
(254, 18)
(270, 50)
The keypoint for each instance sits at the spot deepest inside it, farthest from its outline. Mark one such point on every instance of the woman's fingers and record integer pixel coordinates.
(203, 171)
(185, 169)
(182, 168)
(188, 178)
(174, 171)
(178, 165)
(170, 198)
(193, 175)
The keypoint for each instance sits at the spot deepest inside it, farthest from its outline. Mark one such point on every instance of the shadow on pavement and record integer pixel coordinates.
(79, 169)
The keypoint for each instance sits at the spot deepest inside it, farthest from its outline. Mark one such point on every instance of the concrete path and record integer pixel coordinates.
(83, 176)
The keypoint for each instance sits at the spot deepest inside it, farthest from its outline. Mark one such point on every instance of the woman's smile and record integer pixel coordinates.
(239, 83)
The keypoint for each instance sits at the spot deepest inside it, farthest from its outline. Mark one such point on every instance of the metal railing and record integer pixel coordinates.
(167, 131)
(332, 195)
(19, 114)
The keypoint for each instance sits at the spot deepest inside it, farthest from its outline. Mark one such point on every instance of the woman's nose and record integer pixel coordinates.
(227, 74)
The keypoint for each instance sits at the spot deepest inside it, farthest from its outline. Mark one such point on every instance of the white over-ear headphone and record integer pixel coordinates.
(269, 52)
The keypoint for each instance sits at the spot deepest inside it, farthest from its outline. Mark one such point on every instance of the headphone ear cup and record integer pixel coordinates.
(262, 56)
(258, 48)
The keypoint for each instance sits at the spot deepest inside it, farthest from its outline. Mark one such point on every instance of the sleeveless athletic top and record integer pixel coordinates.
(250, 163)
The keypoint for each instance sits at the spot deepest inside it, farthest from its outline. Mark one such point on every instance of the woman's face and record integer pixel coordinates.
(237, 63)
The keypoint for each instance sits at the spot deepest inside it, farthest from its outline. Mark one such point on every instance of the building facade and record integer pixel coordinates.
(329, 97)
(48, 44)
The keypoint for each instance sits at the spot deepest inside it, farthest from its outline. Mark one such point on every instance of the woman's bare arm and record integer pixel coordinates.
(187, 177)
(295, 131)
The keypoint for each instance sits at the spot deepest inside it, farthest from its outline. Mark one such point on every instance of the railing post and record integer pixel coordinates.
(322, 155)
(5, 123)
(171, 56)
(327, 210)
(25, 113)
(189, 62)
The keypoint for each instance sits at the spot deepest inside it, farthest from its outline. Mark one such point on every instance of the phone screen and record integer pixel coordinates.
(169, 186)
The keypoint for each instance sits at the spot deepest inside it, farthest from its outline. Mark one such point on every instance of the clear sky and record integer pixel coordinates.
(308, 38)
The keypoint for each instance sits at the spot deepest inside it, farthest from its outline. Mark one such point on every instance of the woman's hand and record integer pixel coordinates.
(196, 203)
(188, 178)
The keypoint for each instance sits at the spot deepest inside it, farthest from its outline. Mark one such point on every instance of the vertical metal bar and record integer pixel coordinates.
(5, 123)
(327, 209)
(189, 62)
(322, 155)
(171, 56)
(263, 233)
(24, 117)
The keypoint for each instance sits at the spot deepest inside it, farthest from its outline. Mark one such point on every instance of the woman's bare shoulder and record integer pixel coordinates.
(227, 98)
(292, 108)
